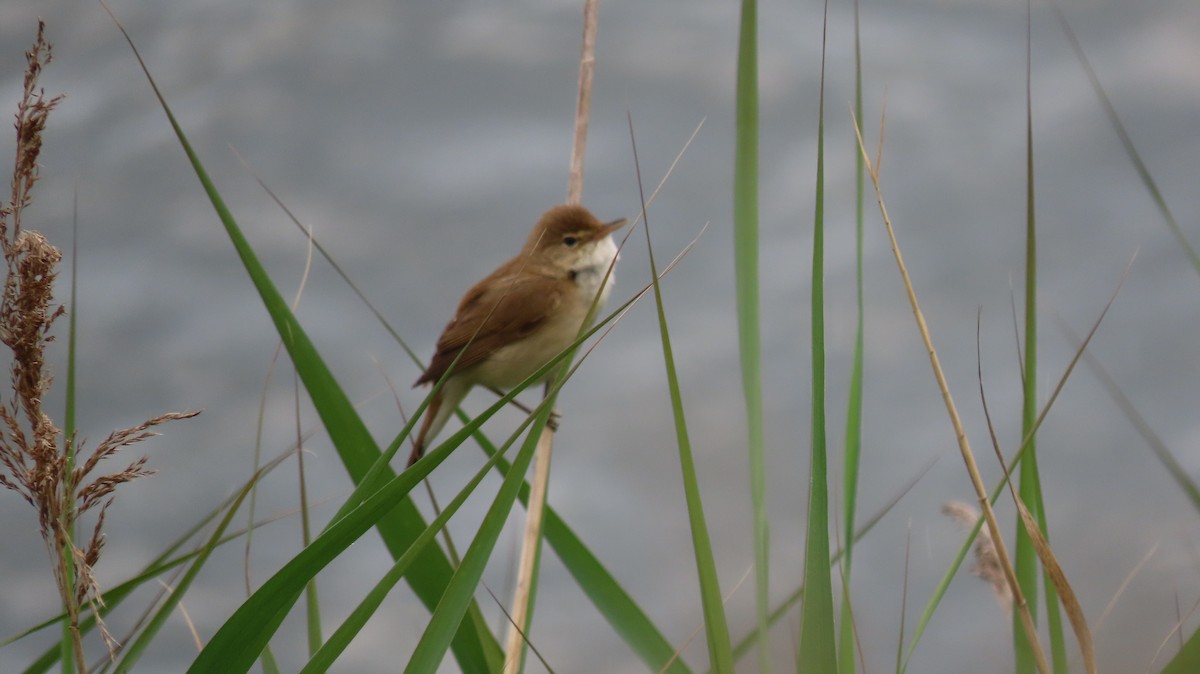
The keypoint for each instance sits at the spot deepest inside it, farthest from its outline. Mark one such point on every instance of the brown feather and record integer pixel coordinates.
(527, 301)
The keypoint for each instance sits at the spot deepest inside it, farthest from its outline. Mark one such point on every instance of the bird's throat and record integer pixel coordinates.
(591, 270)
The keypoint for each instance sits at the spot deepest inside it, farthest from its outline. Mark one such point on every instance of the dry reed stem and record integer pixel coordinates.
(583, 107)
(38, 463)
(541, 466)
(515, 641)
(960, 433)
(544, 452)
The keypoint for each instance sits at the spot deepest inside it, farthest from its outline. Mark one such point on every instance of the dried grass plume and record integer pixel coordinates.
(987, 564)
(36, 461)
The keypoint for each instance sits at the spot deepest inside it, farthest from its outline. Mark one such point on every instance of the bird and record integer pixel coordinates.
(523, 314)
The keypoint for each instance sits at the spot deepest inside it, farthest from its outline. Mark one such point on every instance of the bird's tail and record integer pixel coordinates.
(438, 413)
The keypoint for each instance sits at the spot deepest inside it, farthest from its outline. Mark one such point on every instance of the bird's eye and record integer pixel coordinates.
(570, 241)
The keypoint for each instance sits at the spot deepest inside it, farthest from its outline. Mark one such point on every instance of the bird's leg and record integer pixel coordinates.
(551, 423)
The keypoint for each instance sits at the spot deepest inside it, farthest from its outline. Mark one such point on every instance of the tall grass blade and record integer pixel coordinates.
(715, 624)
(68, 434)
(235, 645)
(327, 654)
(745, 251)
(818, 640)
(613, 602)
(312, 602)
(460, 591)
(134, 651)
(475, 648)
(238, 642)
(623, 614)
(784, 607)
(1054, 621)
(846, 650)
(1025, 557)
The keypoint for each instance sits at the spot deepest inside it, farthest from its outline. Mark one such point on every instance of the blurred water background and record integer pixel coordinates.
(421, 140)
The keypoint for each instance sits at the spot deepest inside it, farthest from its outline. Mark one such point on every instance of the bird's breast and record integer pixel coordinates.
(513, 363)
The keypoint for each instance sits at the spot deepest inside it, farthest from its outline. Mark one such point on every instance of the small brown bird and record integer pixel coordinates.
(523, 314)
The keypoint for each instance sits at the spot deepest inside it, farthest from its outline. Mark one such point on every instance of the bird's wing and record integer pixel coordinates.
(500, 310)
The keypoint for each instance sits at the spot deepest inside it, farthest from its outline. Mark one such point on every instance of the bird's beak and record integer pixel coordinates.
(611, 227)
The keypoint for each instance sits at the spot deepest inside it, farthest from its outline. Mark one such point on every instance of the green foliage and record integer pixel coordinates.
(716, 627)
(382, 499)
(817, 635)
(745, 255)
(851, 460)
